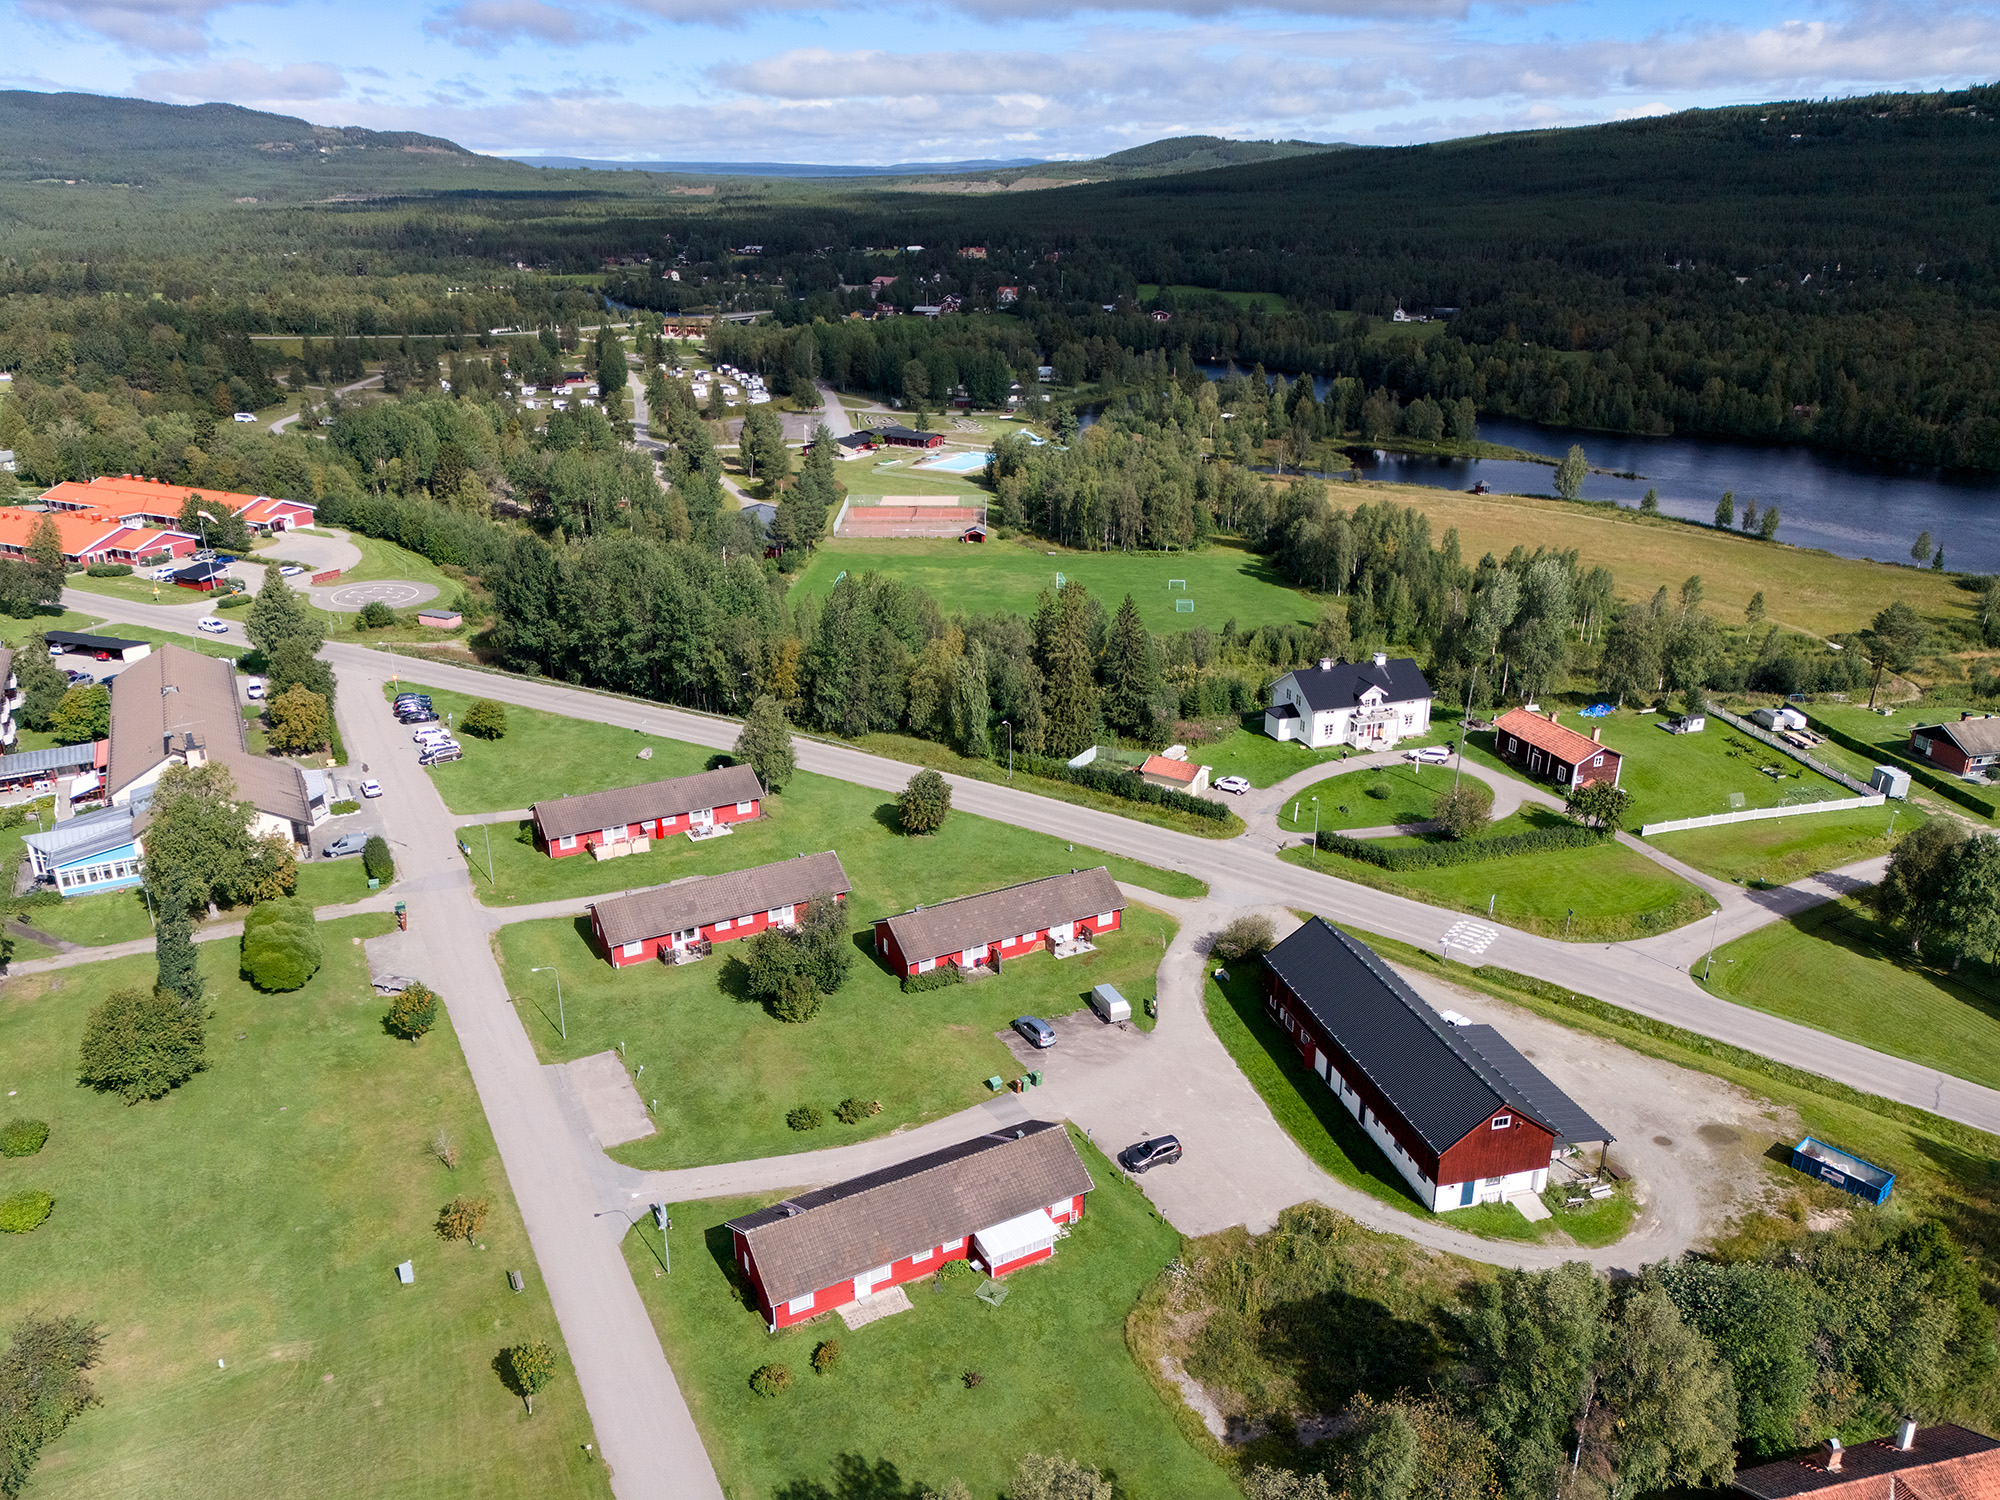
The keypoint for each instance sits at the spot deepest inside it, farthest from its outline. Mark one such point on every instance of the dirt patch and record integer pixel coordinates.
(1719, 1135)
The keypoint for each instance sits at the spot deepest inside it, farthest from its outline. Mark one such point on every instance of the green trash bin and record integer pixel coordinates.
(1036, 1078)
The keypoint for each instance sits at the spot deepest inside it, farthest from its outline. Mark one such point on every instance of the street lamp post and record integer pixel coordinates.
(1713, 928)
(1315, 833)
(561, 1025)
(1009, 727)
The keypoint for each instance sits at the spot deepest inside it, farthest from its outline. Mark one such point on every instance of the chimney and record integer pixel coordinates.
(1597, 736)
(1381, 658)
(1833, 1455)
(1326, 664)
(1554, 718)
(1906, 1434)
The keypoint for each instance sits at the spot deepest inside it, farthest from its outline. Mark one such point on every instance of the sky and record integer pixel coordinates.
(881, 81)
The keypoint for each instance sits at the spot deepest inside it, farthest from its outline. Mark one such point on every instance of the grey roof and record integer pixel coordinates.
(1342, 684)
(709, 898)
(724, 787)
(1980, 736)
(954, 926)
(55, 758)
(813, 1240)
(89, 642)
(1536, 1094)
(1440, 1084)
(80, 837)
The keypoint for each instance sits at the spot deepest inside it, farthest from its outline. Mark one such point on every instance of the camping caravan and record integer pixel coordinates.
(1109, 1004)
(1779, 718)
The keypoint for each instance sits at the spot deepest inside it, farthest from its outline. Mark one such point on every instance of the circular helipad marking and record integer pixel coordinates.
(352, 596)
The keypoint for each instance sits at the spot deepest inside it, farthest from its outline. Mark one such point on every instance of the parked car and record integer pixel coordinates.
(1234, 785)
(1036, 1033)
(371, 788)
(1146, 1155)
(431, 734)
(166, 574)
(254, 691)
(418, 716)
(245, 416)
(437, 756)
(212, 625)
(346, 844)
(1428, 755)
(78, 679)
(290, 570)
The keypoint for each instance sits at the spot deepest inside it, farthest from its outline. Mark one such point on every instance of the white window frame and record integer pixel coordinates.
(1104, 919)
(1597, 760)
(1502, 1122)
(723, 925)
(567, 841)
(925, 965)
(949, 1245)
(779, 915)
(743, 809)
(633, 950)
(801, 1304)
(922, 1255)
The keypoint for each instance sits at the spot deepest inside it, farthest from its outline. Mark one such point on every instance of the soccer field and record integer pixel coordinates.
(1222, 582)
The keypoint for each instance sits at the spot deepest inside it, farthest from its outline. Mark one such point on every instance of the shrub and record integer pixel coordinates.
(462, 1218)
(1466, 810)
(973, 1380)
(825, 1356)
(854, 1111)
(798, 1000)
(1245, 937)
(925, 803)
(42, 1389)
(345, 806)
(955, 1270)
(1379, 791)
(1473, 851)
(805, 1117)
(108, 570)
(943, 977)
(783, 963)
(22, 1137)
(485, 718)
(281, 947)
(236, 601)
(141, 1043)
(376, 859)
(771, 1380)
(374, 615)
(24, 1211)
(413, 1012)
(1120, 782)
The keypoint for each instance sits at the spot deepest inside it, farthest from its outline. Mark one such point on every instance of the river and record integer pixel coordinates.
(1852, 507)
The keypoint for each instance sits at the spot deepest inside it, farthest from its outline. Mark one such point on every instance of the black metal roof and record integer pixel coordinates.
(1538, 1095)
(1442, 1086)
(90, 642)
(1342, 684)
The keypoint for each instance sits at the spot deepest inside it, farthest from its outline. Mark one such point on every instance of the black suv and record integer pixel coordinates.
(1149, 1154)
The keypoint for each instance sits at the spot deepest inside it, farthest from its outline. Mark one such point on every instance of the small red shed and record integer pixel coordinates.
(1550, 750)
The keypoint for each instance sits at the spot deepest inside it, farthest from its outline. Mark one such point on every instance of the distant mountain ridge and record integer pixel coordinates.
(776, 168)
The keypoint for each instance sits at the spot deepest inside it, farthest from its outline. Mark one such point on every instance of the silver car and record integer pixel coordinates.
(1037, 1033)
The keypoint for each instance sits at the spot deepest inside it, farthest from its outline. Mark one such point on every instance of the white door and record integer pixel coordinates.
(1060, 933)
(702, 818)
(867, 1281)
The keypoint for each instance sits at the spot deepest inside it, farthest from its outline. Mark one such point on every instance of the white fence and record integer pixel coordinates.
(1752, 814)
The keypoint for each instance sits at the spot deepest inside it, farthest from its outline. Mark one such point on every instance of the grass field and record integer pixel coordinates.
(1890, 734)
(110, 917)
(896, 1414)
(1615, 892)
(813, 813)
(382, 560)
(897, 473)
(1805, 589)
(1693, 775)
(725, 1072)
(137, 588)
(1344, 800)
(253, 1217)
(1224, 582)
(1785, 849)
(1263, 761)
(15, 632)
(1837, 969)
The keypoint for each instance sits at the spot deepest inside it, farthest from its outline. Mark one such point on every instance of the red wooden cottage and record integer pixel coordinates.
(976, 930)
(1458, 1111)
(1548, 749)
(997, 1200)
(1972, 744)
(570, 825)
(689, 915)
(909, 437)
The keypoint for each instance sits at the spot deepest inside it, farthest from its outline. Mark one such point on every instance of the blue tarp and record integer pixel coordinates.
(1595, 711)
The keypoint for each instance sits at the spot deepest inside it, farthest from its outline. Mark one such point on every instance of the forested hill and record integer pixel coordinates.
(1164, 158)
(88, 136)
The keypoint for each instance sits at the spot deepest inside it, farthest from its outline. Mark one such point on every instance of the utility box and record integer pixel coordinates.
(1109, 1004)
(1890, 781)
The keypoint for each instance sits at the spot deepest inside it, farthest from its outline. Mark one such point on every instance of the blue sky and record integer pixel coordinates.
(882, 81)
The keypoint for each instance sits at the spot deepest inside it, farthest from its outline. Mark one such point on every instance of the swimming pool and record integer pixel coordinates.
(959, 463)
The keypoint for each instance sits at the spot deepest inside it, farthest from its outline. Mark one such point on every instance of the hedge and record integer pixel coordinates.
(943, 977)
(376, 859)
(24, 1211)
(236, 601)
(1470, 852)
(281, 948)
(108, 570)
(1943, 786)
(1121, 783)
(23, 1137)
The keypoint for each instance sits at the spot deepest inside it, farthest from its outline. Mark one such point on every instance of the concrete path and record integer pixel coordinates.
(833, 413)
(283, 422)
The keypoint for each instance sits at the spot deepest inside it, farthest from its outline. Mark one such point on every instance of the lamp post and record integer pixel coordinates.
(561, 1025)
(1315, 833)
(1713, 927)
(1470, 685)
(1009, 727)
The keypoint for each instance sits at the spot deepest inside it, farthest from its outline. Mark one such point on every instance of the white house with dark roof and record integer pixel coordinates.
(999, 1200)
(1370, 705)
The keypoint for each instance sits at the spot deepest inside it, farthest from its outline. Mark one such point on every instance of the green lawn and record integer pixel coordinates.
(1616, 893)
(253, 1217)
(813, 813)
(896, 473)
(1836, 968)
(332, 882)
(382, 560)
(1344, 800)
(109, 917)
(1786, 849)
(725, 1072)
(1263, 761)
(1313, 1115)
(1888, 737)
(896, 1413)
(136, 587)
(1692, 775)
(1224, 581)
(15, 632)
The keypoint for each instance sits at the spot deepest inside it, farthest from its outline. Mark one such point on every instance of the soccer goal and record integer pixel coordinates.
(1184, 606)
(1177, 583)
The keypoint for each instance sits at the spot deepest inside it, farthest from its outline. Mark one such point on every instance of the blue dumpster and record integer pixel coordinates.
(1848, 1173)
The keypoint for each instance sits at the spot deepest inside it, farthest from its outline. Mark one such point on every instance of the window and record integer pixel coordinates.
(780, 914)
(1501, 1122)
(633, 950)
(1105, 919)
(802, 1304)
(723, 925)
(1562, 773)
(568, 841)
(1512, 745)
(743, 809)
(921, 1256)
(953, 1245)
(1597, 760)
(924, 966)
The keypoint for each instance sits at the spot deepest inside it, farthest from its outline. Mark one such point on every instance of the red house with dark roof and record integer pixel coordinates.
(1000, 1201)
(685, 918)
(976, 931)
(1552, 751)
(683, 804)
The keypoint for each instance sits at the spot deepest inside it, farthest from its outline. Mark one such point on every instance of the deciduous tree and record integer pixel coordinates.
(462, 1218)
(925, 803)
(530, 1368)
(299, 721)
(1913, 889)
(140, 1044)
(1466, 810)
(1571, 473)
(83, 715)
(485, 719)
(765, 743)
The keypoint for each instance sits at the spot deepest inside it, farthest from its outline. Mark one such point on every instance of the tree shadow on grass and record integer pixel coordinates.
(856, 1478)
(1337, 1346)
(890, 816)
(1857, 931)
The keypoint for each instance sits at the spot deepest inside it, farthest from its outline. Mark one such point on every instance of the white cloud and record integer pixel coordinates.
(488, 25)
(171, 28)
(238, 80)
